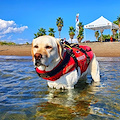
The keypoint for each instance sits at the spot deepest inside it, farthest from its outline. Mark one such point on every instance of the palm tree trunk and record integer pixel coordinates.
(59, 34)
(101, 37)
(119, 31)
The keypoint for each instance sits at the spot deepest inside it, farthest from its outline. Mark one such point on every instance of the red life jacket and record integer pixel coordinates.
(68, 64)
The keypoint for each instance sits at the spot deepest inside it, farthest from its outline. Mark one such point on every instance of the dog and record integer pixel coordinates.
(50, 59)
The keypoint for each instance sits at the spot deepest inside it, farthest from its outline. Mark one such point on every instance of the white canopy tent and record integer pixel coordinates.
(100, 24)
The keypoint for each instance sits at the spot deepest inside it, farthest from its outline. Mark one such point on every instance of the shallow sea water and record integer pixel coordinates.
(24, 96)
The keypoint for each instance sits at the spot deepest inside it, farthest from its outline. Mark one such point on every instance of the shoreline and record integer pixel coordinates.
(104, 49)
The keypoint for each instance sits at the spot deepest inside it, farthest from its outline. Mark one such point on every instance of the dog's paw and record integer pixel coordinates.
(60, 86)
(57, 85)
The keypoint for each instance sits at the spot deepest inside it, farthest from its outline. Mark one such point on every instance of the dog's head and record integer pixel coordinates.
(45, 50)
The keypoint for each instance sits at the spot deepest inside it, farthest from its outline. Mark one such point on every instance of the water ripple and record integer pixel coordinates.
(23, 95)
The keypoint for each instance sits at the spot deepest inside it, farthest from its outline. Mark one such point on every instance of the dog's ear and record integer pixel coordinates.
(60, 49)
(32, 52)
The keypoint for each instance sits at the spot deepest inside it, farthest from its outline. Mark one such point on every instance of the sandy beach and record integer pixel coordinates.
(105, 49)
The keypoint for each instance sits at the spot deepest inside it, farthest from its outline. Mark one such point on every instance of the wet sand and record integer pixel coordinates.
(105, 49)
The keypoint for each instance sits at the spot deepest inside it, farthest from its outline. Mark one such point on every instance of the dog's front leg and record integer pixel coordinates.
(66, 81)
(57, 84)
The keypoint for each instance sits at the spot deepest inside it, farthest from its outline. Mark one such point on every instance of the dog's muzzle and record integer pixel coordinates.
(38, 57)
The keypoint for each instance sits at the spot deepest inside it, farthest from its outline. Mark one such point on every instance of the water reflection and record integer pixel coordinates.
(23, 95)
(68, 104)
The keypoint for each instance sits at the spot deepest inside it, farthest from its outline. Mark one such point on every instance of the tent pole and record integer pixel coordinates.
(101, 36)
(111, 31)
(94, 35)
(84, 35)
(118, 34)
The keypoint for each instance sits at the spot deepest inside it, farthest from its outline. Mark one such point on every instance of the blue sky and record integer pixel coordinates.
(20, 19)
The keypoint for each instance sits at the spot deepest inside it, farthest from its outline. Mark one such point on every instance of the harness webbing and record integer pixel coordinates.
(66, 44)
(83, 51)
(56, 69)
(70, 52)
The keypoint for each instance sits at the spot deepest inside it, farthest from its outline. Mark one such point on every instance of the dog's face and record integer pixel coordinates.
(45, 50)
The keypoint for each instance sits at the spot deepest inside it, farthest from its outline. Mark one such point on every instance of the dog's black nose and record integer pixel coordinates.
(38, 56)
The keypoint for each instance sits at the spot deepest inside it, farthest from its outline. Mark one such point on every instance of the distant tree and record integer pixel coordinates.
(97, 35)
(116, 36)
(104, 37)
(81, 32)
(40, 32)
(118, 19)
(59, 24)
(27, 43)
(71, 32)
(51, 32)
(80, 25)
(117, 22)
(7, 43)
(114, 31)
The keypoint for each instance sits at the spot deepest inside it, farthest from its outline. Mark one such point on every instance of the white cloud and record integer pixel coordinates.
(9, 37)
(2, 36)
(13, 30)
(22, 39)
(5, 24)
(10, 27)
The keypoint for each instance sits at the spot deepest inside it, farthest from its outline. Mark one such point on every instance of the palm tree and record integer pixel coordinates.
(40, 32)
(96, 35)
(71, 32)
(114, 31)
(104, 37)
(118, 19)
(51, 32)
(59, 24)
(116, 22)
(80, 25)
(81, 30)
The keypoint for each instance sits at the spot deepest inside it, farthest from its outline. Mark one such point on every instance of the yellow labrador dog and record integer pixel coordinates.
(59, 66)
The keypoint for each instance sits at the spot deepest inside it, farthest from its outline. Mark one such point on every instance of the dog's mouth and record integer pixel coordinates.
(38, 63)
(40, 60)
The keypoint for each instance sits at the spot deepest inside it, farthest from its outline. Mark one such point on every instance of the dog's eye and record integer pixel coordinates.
(48, 47)
(35, 46)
